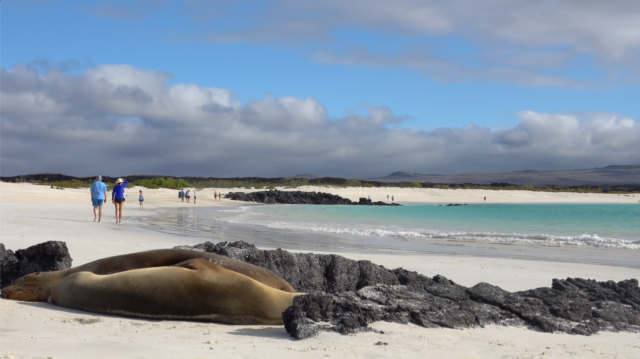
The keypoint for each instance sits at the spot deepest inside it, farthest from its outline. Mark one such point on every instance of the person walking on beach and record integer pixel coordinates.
(117, 197)
(188, 195)
(141, 200)
(182, 194)
(98, 195)
(485, 198)
(194, 196)
(387, 197)
(215, 195)
(392, 198)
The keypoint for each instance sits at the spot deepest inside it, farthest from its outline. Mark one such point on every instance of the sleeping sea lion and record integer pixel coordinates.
(38, 286)
(195, 289)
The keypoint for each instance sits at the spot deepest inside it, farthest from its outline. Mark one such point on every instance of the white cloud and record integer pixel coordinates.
(518, 41)
(119, 120)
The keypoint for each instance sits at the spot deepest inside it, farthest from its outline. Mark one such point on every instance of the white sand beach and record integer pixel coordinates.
(33, 214)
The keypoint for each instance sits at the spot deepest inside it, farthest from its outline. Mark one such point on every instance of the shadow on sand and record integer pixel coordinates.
(267, 332)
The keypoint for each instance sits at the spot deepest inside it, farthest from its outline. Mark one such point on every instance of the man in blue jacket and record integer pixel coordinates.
(98, 195)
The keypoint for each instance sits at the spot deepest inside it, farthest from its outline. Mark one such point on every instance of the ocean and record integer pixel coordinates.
(595, 233)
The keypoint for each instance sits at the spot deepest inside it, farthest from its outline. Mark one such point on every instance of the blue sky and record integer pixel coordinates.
(434, 66)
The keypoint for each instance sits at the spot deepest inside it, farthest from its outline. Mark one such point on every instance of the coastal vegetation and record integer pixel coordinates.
(153, 182)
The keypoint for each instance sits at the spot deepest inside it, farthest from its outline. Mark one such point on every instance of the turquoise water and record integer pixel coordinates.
(596, 225)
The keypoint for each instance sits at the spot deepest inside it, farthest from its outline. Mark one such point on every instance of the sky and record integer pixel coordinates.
(348, 88)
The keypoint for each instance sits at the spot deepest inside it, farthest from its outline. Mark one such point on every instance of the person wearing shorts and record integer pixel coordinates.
(188, 194)
(194, 196)
(141, 200)
(117, 197)
(98, 195)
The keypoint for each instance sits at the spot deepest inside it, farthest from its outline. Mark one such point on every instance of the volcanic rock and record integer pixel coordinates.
(42, 257)
(300, 197)
(345, 296)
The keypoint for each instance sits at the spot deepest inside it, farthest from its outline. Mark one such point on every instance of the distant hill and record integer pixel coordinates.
(607, 175)
(307, 176)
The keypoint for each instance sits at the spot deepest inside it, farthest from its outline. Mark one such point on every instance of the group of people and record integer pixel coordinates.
(187, 195)
(118, 196)
(182, 195)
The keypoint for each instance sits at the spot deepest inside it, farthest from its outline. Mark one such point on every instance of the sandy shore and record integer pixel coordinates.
(33, 214)
(436, 195)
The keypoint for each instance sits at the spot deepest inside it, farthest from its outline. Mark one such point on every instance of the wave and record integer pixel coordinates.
(235, 210)
(585, 239)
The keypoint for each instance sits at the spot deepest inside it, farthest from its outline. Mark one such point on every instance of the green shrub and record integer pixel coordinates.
(160, 182)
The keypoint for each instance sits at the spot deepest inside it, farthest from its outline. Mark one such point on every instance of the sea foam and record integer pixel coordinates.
(585, 239)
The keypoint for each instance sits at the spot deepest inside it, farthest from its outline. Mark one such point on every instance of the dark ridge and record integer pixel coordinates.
(610, 175)
(307, 176)
(345, 296)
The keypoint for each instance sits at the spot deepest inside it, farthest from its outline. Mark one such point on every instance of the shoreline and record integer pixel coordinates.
(303, 240)
(34, 215)
(409, 195)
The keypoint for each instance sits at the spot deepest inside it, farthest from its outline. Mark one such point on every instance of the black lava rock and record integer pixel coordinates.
(43, 257)
(307, 272)
(300, 197)
(345, 296)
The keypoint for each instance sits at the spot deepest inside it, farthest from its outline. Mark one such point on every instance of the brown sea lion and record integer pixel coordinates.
(195, 289)
(37, 286)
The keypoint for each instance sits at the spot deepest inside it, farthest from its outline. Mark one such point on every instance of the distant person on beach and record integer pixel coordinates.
(387, 197)
(392, 198)
(369, 198)
(141, 199)
(485, 198)
(188, 195)
(117, 197)
(194, 196)
(215, 195)
(98, 195)
(182, 194)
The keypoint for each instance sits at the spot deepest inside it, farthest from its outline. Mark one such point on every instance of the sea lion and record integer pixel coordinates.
(37, 287)
(195, 289)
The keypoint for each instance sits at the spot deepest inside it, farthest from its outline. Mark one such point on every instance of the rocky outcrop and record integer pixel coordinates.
(300, 197)
(43, 257)
(307, 272)
(345, 296)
